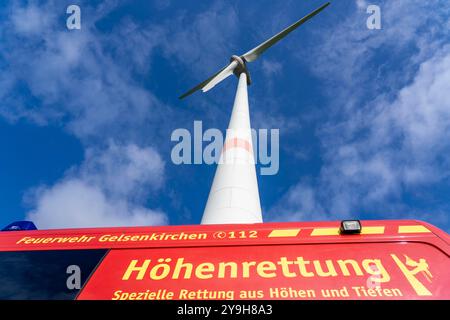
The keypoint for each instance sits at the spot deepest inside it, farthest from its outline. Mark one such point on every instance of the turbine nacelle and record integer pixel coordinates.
(238, 64)
(241, 67)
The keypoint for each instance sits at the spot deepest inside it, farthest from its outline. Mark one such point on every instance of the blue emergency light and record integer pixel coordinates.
(350, 227)
(20, 226)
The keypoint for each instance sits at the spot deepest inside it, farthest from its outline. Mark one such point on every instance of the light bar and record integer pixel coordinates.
(350, 227)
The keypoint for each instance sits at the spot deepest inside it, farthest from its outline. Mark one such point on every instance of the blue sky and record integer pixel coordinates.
(86, 115)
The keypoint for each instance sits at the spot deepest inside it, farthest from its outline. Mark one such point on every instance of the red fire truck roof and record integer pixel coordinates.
(223, 235)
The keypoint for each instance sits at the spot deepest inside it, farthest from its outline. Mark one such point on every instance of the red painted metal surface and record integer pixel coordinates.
(209, 235)
(402, 259)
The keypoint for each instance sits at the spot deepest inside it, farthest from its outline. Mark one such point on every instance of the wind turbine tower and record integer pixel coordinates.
(234, 195)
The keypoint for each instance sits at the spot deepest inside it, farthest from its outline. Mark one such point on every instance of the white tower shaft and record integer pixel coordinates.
(234, 195)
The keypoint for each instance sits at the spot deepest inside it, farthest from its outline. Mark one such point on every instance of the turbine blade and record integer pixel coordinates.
(213, 80)
(253, 54)
(225, 73)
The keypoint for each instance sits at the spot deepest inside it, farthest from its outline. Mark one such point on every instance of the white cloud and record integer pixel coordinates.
(124, 170)
(72, 76)
(405, 145)
(86, 79)
(299, 204)
(73, 204)
(199, 42)
(376, 151)
(107, 190)
(90, 83)
(361, 4)
(162, 4)
(389, 147)
(346, 49)
(271, 67)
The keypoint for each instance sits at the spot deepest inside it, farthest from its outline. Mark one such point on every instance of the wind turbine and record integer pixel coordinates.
(234, 195)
